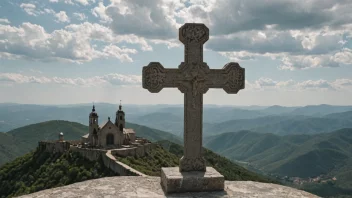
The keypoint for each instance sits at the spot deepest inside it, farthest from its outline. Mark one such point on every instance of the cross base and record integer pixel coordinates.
(174, 181)
(192, 164)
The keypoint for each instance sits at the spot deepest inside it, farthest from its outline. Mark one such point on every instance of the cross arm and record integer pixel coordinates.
(230, 78)
(155, 77)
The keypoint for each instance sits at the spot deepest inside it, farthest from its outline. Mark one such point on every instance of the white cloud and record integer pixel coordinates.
(73, 44)
(80, 16)
(152, 19)
(112, 79)
(49, 11)
(29, 8)
(291, 85)
(19, 78)
(2, 20)
(72, 2)
(62, 17)
(99, 12)
(244, 30)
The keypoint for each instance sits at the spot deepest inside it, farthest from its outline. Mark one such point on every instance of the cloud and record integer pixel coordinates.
(73, 43)
(29, 8)
(2, 20)
(99, 12)
(62, 17)
(301, 34)
(73, 2)
(151, 19)
(291, 85)
(257, 15)
(112, 79)
(19, 78)
(80, 16)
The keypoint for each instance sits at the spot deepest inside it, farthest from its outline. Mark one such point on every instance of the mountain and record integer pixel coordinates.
(165, 121)
(49, 130)
(22, 140)
(343, 115)
(277, 109)
(303, 156)
(284, 124)
(320, 110)
(246, 124)
(310, 125)
(293, 155)
(38, 170)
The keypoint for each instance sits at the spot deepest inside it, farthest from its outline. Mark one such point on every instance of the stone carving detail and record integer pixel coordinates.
(236, 79)
(154, 77)
(194, 33)
(193, 78)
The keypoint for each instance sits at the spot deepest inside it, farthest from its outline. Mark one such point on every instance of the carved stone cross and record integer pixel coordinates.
(193, 78)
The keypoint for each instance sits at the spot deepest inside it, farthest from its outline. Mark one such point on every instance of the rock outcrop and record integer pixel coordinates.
(136, 186)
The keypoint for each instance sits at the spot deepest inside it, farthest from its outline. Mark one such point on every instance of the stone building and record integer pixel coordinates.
(108, 134)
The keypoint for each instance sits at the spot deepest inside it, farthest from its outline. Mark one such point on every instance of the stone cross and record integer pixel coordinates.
(193, 78)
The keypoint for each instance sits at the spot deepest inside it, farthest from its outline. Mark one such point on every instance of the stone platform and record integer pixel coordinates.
(174, 181)
(127, 187)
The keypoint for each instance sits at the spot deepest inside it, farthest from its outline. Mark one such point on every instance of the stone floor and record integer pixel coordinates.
(111, 187)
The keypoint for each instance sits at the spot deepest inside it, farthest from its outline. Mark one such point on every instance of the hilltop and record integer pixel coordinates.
(20, 141)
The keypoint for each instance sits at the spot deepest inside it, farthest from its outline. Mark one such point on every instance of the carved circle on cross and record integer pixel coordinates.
(193, 33)
(154, 77)
(235, 77)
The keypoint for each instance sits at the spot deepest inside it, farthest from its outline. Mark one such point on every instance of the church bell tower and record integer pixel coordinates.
(120, 118)
(93, 127)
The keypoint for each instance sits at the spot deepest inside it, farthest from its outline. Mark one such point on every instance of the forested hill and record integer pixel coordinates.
(38, 170)
(22, 140)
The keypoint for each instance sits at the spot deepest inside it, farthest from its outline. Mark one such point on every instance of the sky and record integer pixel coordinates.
(295, 52)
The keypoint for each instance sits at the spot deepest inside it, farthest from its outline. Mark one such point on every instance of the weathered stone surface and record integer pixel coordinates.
(172, 180)
(193, 78)
(122, 187)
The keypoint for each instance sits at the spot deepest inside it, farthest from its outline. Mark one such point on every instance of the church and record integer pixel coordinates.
(109, 134)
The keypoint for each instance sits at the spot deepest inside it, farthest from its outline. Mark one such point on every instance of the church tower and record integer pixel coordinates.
(120, 119)
(93, 127)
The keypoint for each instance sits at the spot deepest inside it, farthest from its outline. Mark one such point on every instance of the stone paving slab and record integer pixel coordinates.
(136, 186)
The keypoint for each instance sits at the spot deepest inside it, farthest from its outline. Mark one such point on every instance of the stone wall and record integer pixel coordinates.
(108, 160)
(90, 154)
(138, 151)
(54, 146)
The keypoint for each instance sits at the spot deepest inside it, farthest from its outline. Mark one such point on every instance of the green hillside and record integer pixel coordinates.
(9, 148)
(304, 156)
(37, 171)
(49, 130)
(167, 154)
(297, 155)
(22, 140)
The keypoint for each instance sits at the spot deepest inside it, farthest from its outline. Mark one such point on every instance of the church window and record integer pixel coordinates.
(120, 117)
(121, 127)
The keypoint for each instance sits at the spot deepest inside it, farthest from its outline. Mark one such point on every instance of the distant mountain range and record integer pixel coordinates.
(216, 119)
